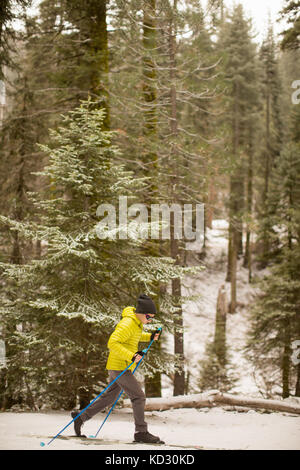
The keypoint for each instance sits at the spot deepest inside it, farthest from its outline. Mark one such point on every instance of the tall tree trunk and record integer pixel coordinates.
(4, 17)
(220, 326)
(90, 19)
(211, 199)
(232, 242)
(18, 213)
(149, 85)
(249, 203)
(286, 358)
(151, 247)
(235, 203)
(266, 238)
(179, 378)
(297, 388)
(22, 135)
(233, 271)
(99, 50)
(222, 11)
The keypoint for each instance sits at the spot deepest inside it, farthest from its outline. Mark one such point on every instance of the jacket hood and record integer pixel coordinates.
(130, 312)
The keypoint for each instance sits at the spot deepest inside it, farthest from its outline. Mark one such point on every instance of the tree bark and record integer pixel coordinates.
(99, 50)
(235, 203)
(149, 86)
(179, 378)
(297, 390)
(249, 204)
(90, 18)
(151, 247)
(220, 326)
(266, 238)
(286, 359)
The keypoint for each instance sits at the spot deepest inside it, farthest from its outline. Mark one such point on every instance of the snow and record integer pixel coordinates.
(205, 428)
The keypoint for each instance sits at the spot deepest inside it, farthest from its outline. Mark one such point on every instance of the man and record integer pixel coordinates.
(123, 347)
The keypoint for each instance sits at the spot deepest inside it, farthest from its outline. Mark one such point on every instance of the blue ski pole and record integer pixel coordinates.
(118, 397)
(121, 392)
(42, 444)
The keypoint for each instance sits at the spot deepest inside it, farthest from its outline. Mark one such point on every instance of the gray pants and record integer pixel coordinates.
(132, 388)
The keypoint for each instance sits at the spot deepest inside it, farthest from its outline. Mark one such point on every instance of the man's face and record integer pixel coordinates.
(145, 317)
(149, 317)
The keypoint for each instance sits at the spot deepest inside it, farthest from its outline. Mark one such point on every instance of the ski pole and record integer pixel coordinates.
(42, 444)
(121, 392)
(118, 397)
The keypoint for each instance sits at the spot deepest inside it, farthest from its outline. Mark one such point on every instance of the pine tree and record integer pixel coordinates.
(279, 290)
(9, 11)
(59, 309)
(275, 316)
(22, 127)
(241, 103)
(291, 36)
(272, 135)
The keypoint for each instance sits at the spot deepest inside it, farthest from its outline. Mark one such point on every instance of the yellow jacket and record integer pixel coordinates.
(124, 340)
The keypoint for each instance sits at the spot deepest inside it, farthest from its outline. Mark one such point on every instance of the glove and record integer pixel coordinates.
(138, 353)
(156, 332)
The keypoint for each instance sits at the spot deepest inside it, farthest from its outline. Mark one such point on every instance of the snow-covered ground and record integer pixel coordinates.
(208, 429)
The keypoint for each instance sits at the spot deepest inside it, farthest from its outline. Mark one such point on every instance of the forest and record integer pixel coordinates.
(166, 104)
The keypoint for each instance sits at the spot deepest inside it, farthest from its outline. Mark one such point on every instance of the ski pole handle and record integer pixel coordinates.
(147, 349)
(144, 351)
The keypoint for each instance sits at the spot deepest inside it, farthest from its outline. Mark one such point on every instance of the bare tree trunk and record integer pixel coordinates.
(211, 201)
(17, 253)
(286, 359)
(249, 203)
(99, 49)
(149, 83)
(179, 378)
(90, 18)
(236, 187)
(220, 326)
(222, 11)
(297, 390)
(151, 247)
(233, 272)
(266, 238)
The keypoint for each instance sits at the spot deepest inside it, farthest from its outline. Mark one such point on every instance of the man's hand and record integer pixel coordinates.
(137, 356)
(155, 335)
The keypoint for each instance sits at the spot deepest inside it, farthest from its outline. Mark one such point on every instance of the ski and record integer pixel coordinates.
(102, 442)
(162, 443)
(85, 440)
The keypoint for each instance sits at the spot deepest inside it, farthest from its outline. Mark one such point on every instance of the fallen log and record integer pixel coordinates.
(257, 403)
(198, 400)
(216, 398)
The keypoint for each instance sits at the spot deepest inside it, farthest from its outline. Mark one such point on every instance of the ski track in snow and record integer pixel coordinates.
(209, 429)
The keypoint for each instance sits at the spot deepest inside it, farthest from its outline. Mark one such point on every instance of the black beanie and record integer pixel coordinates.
(145, 305)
